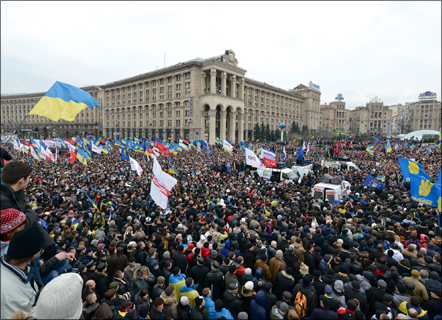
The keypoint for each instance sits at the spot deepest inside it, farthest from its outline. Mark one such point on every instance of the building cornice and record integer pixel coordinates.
(266, 86)
(207, 64)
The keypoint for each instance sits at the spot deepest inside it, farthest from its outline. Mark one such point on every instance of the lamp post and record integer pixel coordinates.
(282, 126)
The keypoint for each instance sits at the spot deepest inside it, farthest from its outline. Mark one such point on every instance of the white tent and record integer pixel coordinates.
(417, 135)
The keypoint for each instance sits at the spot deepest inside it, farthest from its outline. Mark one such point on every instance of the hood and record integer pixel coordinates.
(285, 274)
(276, 314)
(260, 298)
(168, 300)
(259, 274)
(246, 294)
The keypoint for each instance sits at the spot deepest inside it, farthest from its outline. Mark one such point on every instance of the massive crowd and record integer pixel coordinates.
(229, 246)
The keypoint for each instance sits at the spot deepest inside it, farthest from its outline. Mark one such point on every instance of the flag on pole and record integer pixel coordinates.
(388, 147)
(370, 149)
(161, 185)
(284, 155)
(269, 158)
(73, 156)
(135, 166)
(300, 154)
(252, 160)
(34, 154)
(63, 101)
(96, 149)
(227, 146)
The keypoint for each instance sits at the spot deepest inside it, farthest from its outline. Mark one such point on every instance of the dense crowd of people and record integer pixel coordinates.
(88, 242)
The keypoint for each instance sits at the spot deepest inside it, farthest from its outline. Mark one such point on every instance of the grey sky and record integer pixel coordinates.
(359, 49)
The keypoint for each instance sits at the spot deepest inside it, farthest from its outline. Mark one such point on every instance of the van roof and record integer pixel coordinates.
(327, 185)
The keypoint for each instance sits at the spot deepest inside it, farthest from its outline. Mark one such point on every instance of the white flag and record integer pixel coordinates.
(96, 149)
(135, 166)
(252, 159)
(34, 154)
(227, 145)
(161, 185)
(308, 148)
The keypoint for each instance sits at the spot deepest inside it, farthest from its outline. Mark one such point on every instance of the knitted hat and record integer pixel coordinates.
(161, 280)
(166, 255)
(383, 285)
(65, 291)
(338, 285)
(11, 219)
(25, 243)
(424, 275)
(144, 311)
(283, 307)
(169, 290)
(198, 301)
(113, 285)
(242, 315)
(249, 285)
(184, 300)
(328, 289)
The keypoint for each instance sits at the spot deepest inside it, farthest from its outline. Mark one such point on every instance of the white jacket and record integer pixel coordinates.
(16, 294)
(397, 255)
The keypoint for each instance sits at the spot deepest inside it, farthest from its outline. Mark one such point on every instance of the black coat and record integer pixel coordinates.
(102, 285)
(157, 291)
(310, 261)
(198, 274)
(197, 314)
(140, 257)
(271, 300)
(355, 294)
(215, 278)
(180, 261)
(123, 287)
(283, 282)
(232, 303)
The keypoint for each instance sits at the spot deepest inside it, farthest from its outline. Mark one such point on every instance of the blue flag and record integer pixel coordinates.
(228, 168)
(376, 140)
(124, 154)
(409, 168)
(439, 179)
(423, 191)
(372, 182)
(300, 154)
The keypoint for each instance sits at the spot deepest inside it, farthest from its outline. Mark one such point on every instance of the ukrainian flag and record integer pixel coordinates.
(104, 149)
(370, 149)
(117, 143)
(218, 140)
(172, 170)
(388, 147)
(63, 101)
(81, 156)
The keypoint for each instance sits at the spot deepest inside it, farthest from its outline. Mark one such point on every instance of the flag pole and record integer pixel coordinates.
(15, 131)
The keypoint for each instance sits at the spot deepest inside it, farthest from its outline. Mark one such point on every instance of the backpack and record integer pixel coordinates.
(301, 304)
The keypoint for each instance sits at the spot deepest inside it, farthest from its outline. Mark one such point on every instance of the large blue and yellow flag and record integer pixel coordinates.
(130, 145)
(409, 168)
(218, 141)
(90, 200)
(424, 191)
(104, 149)
(82, 157)
(388, 147)
(372, 182)
(63, 101)
(124, 154)
(138, 148)
(117, 143)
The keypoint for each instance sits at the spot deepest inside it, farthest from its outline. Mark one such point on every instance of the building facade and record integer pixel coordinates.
(426, 114)
(197, 99)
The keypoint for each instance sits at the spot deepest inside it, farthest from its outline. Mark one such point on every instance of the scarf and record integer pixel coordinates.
(343, 274)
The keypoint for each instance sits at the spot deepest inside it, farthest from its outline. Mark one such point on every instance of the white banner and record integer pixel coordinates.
(96, 149)
(34, 154)
(252, 159)
(135, 166)
(161, 185)
(227, 145)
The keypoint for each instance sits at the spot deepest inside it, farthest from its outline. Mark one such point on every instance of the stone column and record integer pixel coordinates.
(223, 83)
(233, 87)
(232, 127)
(241, 89)
(241, 127)
(222, 129)
(203, 83)
(212, 127)
(213, 81)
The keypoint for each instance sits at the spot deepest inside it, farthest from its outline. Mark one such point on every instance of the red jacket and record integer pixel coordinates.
(205, 252)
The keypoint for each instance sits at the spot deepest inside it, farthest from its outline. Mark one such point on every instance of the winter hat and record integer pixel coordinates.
(434, 275)
(198, 301)
(291, 248)
(184, 300)
(11, 219)
(248, 271)
(124, 306)
(218, 305)
(64, 290)
(424, 275)
(249, 285)
(383, 285)
(169, 290)
(243, 316)
(113, 285)
(283, 307)
(111, 249)
(100, 246)
(161, 280)
(355, 285)
(306, 280)
(232, 268)
(166, 255)
(328, 289)
(25, 243)
(415, 273)
(338, 285)
(286, 295)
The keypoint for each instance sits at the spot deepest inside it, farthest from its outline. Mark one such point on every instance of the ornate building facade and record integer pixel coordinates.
(197, 99)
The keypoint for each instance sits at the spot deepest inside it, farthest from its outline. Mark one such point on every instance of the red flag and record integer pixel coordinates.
(73, 156)
(349, 146)
(337, 144)
(217, 175)
(27, 143)
(340, 144)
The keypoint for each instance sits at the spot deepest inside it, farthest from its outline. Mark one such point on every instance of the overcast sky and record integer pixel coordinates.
(360, 49)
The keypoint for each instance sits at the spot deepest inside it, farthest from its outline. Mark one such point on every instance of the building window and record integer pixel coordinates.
(161, 81)
(161, 89)
(187, 85)
(187, 75)
(169, 79)
(178, 86)
(177, 113)
(178, 95)
(178, 77)
(177, 123)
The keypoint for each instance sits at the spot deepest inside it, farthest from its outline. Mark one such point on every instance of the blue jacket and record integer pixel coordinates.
(153, 266)
(257, 306)
(213, 315)
(323, 267)
(225, 251)
(321, 313)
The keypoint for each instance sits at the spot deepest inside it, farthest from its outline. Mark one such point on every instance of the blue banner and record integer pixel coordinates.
(372, 182)
(423, 191)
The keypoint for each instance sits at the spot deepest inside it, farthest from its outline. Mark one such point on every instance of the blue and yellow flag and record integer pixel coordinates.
(136, 139)
(218, 141)
(409, 168)
(388, 147)
(130, 145)
(370, 149)
(81, 156)
(172, 170)
(138, 148)
(424, 191)
(63, 101)
(104, 149)
(372, 182)
(124, 154)
(117, 143)
(90, 200)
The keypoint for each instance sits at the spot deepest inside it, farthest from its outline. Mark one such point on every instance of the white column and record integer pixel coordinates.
(241, 127)
(213, 81)
(241, 89)
(233, 87)
(203, 83)
(223, 83)
(222, 129)
(212, 131)
(232, 127)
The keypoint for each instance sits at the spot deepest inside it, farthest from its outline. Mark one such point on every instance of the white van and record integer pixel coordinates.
(339, 165)
(300, 171)
(286, 175)
(331, 188)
